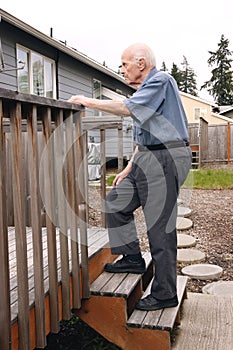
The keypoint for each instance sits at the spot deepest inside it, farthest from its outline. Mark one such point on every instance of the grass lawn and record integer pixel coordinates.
(210, 179)
(221, 178)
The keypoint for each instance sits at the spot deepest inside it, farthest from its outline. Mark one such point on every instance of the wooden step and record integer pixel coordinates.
(119, 284)
(124, 285)
(160, 319)
(110, 311)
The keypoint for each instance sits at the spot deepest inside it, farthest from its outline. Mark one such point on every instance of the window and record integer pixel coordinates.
(38, 75)
(200, 113)
(102, 93)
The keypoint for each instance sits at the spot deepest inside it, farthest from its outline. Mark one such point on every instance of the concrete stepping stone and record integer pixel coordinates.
(189, 255)
(183, 223)
(202, 271)
(185, 241)
(221, 288)
(180, 201)
(183, 211)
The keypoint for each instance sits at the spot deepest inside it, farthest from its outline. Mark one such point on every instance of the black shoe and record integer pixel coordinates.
(150, 303)
(126, 265)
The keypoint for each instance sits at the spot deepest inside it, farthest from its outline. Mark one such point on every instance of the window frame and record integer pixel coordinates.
(30, 71)
(202, 113)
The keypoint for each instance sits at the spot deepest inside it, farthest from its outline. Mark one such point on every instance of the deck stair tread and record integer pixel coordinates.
(120, 284)
(97, 241)
(160, 319)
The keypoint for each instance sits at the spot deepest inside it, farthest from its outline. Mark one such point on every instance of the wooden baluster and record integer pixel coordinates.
(81, 190)
(103, 173)
(33, 173)
(20, 227)
(71, 212)
(48, 174)
(61, 179)
(5, 316)
(120, 148)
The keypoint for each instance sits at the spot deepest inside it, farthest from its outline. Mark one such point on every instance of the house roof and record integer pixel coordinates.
(212, 104)
(75, 53)
(59, 45)
(225, 109)
(225, 119)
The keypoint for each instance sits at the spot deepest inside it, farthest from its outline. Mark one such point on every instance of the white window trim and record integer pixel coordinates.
(29, 51)
(202, 113)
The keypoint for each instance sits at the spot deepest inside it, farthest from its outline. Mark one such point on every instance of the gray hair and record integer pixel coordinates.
(142, 50)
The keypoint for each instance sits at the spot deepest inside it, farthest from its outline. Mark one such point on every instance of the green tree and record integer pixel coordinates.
(177, 74)
(220, 85)
(164, 67)
(188, 81)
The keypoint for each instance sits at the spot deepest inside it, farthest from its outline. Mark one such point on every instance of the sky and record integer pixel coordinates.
(102, 29)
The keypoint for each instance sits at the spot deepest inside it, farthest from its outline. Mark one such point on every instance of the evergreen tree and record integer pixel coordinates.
(164, 67)
(220, 85)
(177, 74)
(188, 81)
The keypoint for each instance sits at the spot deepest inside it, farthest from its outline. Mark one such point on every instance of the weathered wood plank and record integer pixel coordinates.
(110, 287)
(84, 251)
(94, 234)
(168, 316)
(4, 265)
(48, 176)
(61, 184)
(36, 229)
(100, 282)
(37, 100)
(20, 227)
(103, 174)
(159, 319)
(129, 283)
(71, 213)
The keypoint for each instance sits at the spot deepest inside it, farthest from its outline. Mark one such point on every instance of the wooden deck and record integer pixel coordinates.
(97, 239)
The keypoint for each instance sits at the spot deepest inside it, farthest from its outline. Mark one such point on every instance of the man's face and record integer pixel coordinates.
(130, 69)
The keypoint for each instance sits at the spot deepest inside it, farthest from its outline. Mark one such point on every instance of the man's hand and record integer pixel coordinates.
(115, 107)
(119, 177)
(80, 99)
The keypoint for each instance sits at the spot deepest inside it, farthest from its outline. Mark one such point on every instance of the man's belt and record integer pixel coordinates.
(166, 145)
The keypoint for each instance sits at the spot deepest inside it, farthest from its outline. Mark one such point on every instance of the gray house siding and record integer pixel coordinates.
(73, 77)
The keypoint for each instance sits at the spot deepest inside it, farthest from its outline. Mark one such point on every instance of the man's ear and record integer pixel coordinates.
(141, 63)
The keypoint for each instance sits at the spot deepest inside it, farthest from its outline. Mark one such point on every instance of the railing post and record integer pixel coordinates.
(120, 148)
(20, 228)
(5, 319)
(103, 173)
(228, 143)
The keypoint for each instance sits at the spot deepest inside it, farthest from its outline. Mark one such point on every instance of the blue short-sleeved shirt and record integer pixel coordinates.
(157, 110)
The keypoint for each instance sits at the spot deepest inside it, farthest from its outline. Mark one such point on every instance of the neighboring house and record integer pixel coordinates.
(196, 108)
(226, 111)
(34, 63)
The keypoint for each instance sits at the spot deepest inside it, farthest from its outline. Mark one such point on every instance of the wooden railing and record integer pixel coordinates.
(42, 173)
(102, 124)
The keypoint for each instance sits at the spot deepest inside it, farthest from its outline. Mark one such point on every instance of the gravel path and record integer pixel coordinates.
(212, 216)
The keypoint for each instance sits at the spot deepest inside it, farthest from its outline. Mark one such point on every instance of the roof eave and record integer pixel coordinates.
(59, 45)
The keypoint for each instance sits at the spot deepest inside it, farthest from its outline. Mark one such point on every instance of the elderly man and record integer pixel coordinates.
(153, 176)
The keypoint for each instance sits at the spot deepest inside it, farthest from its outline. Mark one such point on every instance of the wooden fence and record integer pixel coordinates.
(214, 142)
(46, 171)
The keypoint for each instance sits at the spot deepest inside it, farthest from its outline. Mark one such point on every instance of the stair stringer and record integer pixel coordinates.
(108, 316)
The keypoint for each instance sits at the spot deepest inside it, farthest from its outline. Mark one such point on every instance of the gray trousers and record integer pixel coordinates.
(153, 184)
